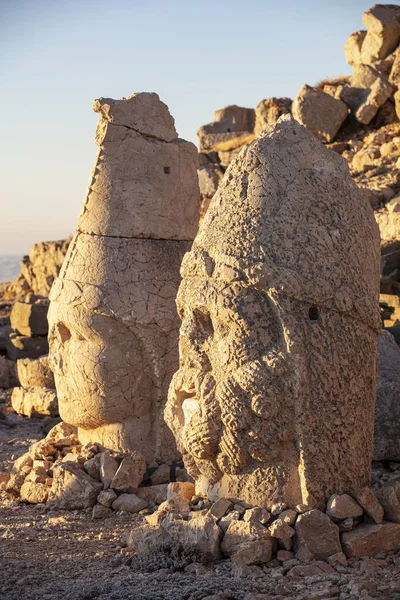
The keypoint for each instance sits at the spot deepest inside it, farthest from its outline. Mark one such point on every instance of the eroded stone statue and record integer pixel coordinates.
(274, 398)
(113, 324)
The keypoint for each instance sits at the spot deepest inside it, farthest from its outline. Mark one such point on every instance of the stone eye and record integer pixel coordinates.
(313, 313)
(63, 332)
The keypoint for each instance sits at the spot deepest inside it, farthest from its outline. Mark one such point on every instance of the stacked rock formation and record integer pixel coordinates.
(279, 293)
(36, 395)
(113, 322)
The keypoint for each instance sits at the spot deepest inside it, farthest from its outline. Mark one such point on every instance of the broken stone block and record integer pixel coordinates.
(154, 493)
(29, 319)
(129, 503)
(352, 47)
(161, 475)
(269, 110)
(35, 372)
(368, 540)
(281, 530)
(129, 474)
(289, 516)
(73, 488)
(23, 346)
(383, 24)
(367, 91)
(92, 467)
(256, 515)
(108, 468)
(200, 533)
(14, 484)
(319, 112)
(389, 497)
(368, 500)
(249, 378)
(232, 127)
(24, 463)
(317, 537)
(34, 401)
(179, 494)
(235, 118)
(342, 506)
(106, 497)
(247, 543)
(220, 507)
(34, 492)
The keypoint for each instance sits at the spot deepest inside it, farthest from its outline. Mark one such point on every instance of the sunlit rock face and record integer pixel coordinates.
(113, 323)
(274, 398)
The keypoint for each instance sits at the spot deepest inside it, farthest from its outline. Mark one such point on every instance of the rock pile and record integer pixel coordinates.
(36, 396)
(249, 535)
(61, 472)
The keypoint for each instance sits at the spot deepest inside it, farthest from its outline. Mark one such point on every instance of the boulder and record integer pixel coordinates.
(269, 110)
(317, 538)
(247, 543)
(342, 506)
(220, 507)
(387, 410)
(370, 503)
(106, 497)
(367, 540)
(24, 346)
(199, 534)
(129, 474)
(209, 177)
(73, 488)
(92, 467)
(129, 503)
(35, 401)
(367, 91)
(389, 497)
(101, 512)
(161, 475)
(108, 469)
(34, 492)
(179, 494)
(281, 530)
(29, 319)
(154, 493)
(35, 372)
(232, 127)
(383, 24)
(319, 112)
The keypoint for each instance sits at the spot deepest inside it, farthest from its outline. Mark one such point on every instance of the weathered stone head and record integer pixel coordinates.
(274, 398)
(113, 324)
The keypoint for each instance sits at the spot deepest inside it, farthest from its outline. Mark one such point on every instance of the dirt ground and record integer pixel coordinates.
(48, 555)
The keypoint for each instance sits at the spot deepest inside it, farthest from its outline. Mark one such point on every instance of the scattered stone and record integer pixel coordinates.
(284, 555)
(226, 520)
(368, 540)
(387, 410)
(368, 500)
(24, 346)
(281, 530)
(389, 497)
(257, 515)
(342, 506)
(316, 568)
(129, 503)
(35, 372)
(179, 494)
(92, 467)
(161, 475)
(200, 533)
(352, 47)
(317, 537)
(289, 516)
(106, 497)
(129, 474)
(247, 543)
(383, 24)
(34, 492)
(338, 560)
(154, 493)
(346, 525)
(101, 512)
(30, 319)
(108, 469)
(268, 112)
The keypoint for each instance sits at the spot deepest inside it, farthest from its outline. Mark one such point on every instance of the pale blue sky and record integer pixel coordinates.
(57, 56)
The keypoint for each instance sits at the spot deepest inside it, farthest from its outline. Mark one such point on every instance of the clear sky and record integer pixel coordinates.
(59, 55)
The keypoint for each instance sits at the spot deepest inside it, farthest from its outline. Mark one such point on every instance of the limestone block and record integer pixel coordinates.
(387, 410)
(143, 112)
(319, 112)
(35, 372)
(129, 474)
(142, 187)
(269, 110)
(73, 488)
(35, 401)
(278, 293)
(368, 540)
(342, 506)
(368, 500)
(317, 537)
(129, 503)
(247, 543)
(209, 178)
(29, 319)
(235, 118)
(114, 306)
(352, 47)
(23, 346)
(383, 24)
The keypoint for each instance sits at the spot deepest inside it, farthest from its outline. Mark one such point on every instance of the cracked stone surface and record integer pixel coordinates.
(113, 327)
(278, 293)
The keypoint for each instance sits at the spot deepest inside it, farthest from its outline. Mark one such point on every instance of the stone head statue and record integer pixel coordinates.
(274, 397)
(113, 325)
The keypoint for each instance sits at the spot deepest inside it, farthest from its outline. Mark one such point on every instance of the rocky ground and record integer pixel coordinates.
(53, 555)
